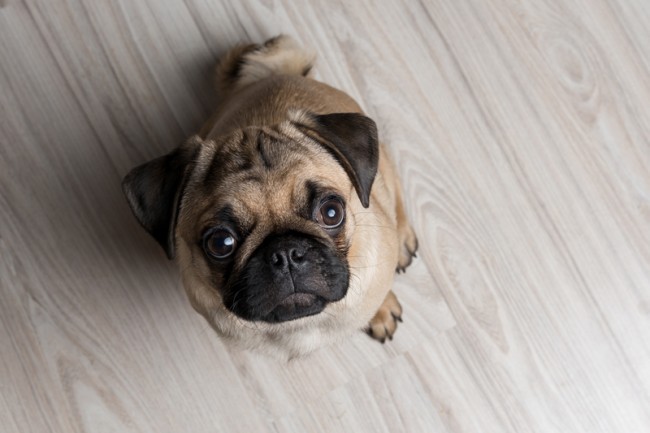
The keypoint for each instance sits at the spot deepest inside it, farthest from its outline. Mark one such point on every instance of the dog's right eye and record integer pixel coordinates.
(219, 243)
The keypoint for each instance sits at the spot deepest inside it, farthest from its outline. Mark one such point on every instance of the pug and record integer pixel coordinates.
(284, 212)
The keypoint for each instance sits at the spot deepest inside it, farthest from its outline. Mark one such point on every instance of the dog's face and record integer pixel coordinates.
(267, 220)
(262, 218)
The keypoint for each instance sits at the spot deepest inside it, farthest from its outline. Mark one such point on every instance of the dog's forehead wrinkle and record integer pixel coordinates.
(272, 150)
(263, 153)
(231, 155)
(255, 196)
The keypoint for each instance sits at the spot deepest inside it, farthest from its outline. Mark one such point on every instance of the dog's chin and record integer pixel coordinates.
(294, 307)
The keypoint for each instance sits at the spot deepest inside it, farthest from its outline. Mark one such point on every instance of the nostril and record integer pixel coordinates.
(296, 255)
(276, 259)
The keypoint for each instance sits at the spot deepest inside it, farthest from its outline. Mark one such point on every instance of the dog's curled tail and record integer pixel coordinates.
(246, 64)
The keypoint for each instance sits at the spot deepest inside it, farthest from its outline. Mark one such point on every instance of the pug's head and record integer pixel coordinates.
(262, 219)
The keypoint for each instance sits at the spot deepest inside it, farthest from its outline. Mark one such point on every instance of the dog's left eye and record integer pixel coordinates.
(330, 214)
(219, 243)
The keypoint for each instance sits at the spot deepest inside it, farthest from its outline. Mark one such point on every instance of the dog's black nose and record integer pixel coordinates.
(289, 253)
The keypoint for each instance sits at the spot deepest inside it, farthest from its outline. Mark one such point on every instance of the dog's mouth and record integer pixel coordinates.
(299, 300)
(295, 306)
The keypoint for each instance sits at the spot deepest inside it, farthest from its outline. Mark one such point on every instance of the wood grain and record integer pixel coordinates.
(522, 134)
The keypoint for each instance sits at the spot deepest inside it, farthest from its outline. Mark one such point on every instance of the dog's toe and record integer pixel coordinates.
(384, 324)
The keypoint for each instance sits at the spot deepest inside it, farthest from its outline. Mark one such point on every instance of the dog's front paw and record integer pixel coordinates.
(384, 324)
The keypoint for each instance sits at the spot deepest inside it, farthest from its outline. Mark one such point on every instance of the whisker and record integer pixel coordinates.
(376, 226)
(369, 266)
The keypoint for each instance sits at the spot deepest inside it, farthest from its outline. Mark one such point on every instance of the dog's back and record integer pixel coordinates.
(247, 64)
(258, 84)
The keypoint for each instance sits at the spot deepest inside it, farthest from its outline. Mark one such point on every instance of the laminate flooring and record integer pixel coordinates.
(521, 130)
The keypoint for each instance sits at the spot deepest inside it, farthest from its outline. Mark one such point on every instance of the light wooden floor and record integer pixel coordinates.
(522, 132)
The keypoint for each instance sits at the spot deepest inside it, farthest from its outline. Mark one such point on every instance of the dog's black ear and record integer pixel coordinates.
(352, 139)
(154, 191)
